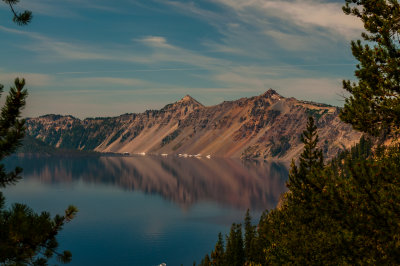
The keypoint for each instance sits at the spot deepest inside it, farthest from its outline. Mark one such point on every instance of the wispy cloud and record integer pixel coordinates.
(165, 52)
(126, 71)
(106, 81)
(248, 26)
(155, 41)
(32, 79)
(54, 48)
(162, 52)
(68, 8)
(306, 14)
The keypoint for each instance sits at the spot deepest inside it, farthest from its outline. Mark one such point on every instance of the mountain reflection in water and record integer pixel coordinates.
(185, 181)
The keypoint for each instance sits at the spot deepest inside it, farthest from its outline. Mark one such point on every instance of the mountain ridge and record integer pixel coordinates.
(267, 126)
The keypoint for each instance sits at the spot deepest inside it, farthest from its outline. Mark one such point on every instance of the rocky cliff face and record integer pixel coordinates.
(264, 127)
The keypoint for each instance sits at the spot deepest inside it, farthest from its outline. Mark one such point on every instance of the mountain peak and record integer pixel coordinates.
(189, 100)
(271, 94)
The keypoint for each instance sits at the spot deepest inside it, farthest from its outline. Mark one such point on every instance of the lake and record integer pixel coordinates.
(146, 210)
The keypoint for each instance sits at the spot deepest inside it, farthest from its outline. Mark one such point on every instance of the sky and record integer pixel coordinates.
(104, 58)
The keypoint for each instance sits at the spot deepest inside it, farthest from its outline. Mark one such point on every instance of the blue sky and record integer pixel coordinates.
(104, 58)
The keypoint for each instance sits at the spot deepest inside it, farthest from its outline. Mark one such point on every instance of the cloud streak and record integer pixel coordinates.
(127, 71)
(162, 52)
(32, 79)
(248, 27)
(309, 15)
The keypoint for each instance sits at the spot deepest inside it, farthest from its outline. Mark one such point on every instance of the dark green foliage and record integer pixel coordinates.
(316, 113)
(272, 115)
(125, 136)
(346, 212)
(317, 104)
(25, 237)
(218, 254)
(234, 252)
(136, 131)
(280, 148)
(30, 238)
(343, 218)
(19, 18)
(170, 137)
(31, 145)
(11, 129)
(374, 104)
(249, 238)
(116, 136)
(73, 137)
(206, 261)
(311, 159)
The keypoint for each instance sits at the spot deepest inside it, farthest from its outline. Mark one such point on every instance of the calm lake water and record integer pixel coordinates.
(146, 210)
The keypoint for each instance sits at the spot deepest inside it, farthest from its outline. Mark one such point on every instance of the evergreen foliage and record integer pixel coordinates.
(217, 255)
(170, 137)
(281, 147)
(374, 104)
(311, 159)
(11, 129)
(20, 18)
(344, 212)
(26, 237)
(206, 261)
(234, 252)
(249, 237)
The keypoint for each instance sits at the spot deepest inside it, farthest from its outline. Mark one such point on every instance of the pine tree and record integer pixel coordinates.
(374, 104)
(311, 160)
(249, 237)
(21, 18)
(11, 129)
(26, 237)
(262, 239)
(205, 261)
(234, 253)
(217, 255)
(290, 238)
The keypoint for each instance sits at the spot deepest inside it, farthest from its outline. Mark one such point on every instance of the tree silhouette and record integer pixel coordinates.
(21, 18)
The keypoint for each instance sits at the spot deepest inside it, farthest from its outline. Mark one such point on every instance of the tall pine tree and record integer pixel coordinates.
(217, 255)
(234, 253)
(311, 159)
(374, 103)
(249, 237)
